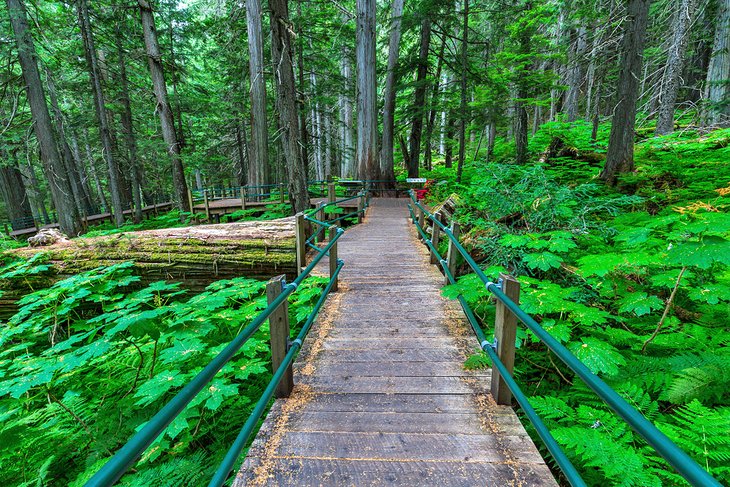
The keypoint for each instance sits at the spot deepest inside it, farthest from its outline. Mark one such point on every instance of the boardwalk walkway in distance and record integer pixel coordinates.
(381, 395)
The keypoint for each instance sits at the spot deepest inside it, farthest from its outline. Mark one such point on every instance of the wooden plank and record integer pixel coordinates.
(391, 446)
(390, 403)
(330, 472)
(395, 369)
(392, 355)
(389, 385)
(446, 423)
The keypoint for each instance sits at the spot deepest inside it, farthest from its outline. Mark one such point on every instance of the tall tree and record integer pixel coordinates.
(286, 104)
(349, 167)
(717, 90)
(258, 165)
(12, 190)
(367, 103)
(101, 112)
(127, 123)
(463, 108)
(414, 143)
(386, 150)
(675, 64)
(620, 156)
(164, 110)
(53, 167)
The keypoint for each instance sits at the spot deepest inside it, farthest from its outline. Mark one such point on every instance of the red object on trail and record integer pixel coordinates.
(421, 193)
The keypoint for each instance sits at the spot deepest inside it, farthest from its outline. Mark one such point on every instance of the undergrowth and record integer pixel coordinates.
(635, 281)
(87, 361)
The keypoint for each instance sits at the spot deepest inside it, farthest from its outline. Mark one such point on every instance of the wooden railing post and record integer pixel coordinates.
(333, 256)
(301, 233)
(435, 237)
(360, 206)
(279, 331)
(505, 332)
(243, 197)
(207, 205)
(190, 201)
(281, 192)
(452, 252)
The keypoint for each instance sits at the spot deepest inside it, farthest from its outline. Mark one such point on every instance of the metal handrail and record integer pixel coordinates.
(675, 456)
(126, 456)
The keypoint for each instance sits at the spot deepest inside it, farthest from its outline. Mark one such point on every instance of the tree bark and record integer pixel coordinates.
(164, 111)
(387, 148)
(349, 167)
(258, 166)
(717, 90)
(12, 190)
(463, 111)
(575, 76)
(675, 65)
(448, 149)
(61, 191)
(101, 113)
(243, 159)
(435, 95)
(94, 173)
(128, 125)
(419, 98)
(286, 103)
(620, 156)
(368, 166)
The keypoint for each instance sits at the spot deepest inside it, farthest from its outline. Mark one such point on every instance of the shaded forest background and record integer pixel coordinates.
(138, 118)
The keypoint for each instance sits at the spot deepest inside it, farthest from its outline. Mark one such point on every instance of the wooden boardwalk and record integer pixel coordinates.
(381, 397)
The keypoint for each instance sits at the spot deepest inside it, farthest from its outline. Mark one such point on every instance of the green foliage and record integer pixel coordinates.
(597, 269)
(88, 360)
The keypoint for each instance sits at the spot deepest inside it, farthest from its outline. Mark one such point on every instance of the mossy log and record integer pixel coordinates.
(195, 256)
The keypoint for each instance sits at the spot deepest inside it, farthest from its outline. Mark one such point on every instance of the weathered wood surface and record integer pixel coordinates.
(94, 219)
(196, 256)
(381, 397)
(232, 205)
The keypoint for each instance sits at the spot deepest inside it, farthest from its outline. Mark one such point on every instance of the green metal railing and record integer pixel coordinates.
(675, 456)
(133, 449)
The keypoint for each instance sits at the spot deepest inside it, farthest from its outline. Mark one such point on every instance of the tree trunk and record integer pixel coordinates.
(300, 99)
(258, 165)
(286, 103)
(575, 76)
(521, 91)
(620, 156)
(81, 169)
(387, 148)
(81, 199)
(242, 148)
(12, 190)
(448, 149)
(349, 167)
(163, 105)
(94, 173)
(463, 112)
(128, 126)
(674, 67)
(419, 98)
(367, 101)
(53, 166)
(101, 114)
(435, 95)
(717, 90)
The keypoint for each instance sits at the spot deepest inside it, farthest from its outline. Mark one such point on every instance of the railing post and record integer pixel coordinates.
(322, 232)
(243, 197)
(205, 202)
(435, 236)
(281, 192)
(333, 256)
(190, 201)
(360, 207)
(452, 252)
(421, 221)
(279, 331)
(505, 332)
(301, 233)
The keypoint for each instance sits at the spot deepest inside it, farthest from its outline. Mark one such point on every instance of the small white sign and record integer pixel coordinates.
(415, 180)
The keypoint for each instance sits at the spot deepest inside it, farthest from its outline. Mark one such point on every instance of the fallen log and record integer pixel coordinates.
(195, 256)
